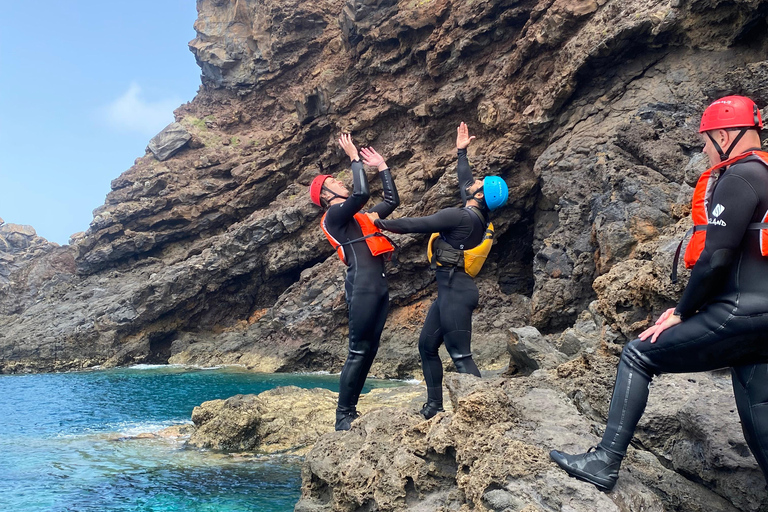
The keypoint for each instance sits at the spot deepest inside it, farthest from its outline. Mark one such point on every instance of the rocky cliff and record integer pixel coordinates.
(207, 250)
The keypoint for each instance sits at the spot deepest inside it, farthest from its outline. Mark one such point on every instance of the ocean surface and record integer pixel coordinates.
(66, 445)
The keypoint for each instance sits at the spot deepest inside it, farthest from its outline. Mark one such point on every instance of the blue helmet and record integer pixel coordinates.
(495, 191)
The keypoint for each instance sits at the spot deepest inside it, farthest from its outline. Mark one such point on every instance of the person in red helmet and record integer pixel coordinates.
(722, 317)
(362, 247)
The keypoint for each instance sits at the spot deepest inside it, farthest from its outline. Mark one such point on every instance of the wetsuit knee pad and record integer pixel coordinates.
(428, 344)
(754, 381)
(458, 357)
(637, 360)
(360, 349)
(465, 365)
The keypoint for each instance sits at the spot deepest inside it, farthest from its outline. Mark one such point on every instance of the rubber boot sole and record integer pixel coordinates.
(603, 484)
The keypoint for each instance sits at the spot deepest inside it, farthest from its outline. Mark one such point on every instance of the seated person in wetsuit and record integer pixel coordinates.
(449, 319)
(722, 317)
(355, 239)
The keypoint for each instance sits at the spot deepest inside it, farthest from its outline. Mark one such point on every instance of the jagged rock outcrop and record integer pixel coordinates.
(491, 452)
(29, 266)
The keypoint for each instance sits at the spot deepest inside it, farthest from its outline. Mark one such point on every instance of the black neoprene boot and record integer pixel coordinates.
(430, 408)
(600, 465)
(345, 417)
(597, 466)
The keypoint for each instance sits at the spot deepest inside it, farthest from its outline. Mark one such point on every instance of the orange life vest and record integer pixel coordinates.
(378, 243)
(699, 206)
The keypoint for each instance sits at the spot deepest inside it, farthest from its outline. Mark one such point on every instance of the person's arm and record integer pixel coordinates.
(342, 213)
(391, 199)
(738, 201)
(464, 174)
(463, 171)
(444, 220)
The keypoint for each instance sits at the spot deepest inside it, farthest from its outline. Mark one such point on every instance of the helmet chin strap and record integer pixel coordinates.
(480, 200)
(335, 195)
(725, 155)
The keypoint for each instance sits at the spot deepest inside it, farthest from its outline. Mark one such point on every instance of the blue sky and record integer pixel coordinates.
(84, 85)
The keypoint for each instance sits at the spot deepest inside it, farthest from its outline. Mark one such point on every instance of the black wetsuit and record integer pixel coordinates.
(366, 284)
(725, 317)
(450, 317)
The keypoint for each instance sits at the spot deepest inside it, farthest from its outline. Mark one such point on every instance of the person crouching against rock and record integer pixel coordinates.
(722, 317)
(461, 240)
(362, 247)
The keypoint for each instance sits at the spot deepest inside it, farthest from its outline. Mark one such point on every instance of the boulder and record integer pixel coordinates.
(169, 141)
(529, 351)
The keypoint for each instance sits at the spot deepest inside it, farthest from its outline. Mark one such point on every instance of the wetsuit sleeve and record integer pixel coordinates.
(444, 220)
(340, 214)
(391, 198)
(464, 174)
(734, 203)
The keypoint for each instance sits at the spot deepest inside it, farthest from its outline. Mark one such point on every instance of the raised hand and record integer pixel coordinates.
(372, 158)
(462, 137)
(345, 141)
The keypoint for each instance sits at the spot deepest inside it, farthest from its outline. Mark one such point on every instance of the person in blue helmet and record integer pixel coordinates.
(462, 238)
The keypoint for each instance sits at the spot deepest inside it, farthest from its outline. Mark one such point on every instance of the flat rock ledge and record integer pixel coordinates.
(491, 451)
(285, 420)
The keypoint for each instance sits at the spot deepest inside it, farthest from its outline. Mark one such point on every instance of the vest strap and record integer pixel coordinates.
(675, 261)
(390, 256)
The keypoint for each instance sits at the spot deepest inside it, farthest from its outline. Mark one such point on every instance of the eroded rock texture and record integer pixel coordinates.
(587, 108)
(491, 452)
(282, 420)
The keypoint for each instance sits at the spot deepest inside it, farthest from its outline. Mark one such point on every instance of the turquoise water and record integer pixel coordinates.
(65, 443)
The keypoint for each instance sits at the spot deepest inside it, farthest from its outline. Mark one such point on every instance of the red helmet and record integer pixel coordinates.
(731, 112)
(317, 187)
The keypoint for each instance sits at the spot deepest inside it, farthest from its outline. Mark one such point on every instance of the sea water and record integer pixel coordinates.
(67, 443)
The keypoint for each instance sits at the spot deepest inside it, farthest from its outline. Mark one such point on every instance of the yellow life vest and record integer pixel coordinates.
(441, 253)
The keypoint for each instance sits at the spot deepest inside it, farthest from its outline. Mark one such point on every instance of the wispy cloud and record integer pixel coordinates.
(133, 113)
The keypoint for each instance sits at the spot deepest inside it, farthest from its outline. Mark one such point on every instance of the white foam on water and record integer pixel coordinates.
(135, 428)
(154, 366)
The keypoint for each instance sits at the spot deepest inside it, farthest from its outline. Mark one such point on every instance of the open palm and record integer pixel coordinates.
(462, 137)
(372, 158)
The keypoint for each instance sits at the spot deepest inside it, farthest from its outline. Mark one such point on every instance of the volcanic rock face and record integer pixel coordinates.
(587, 108)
